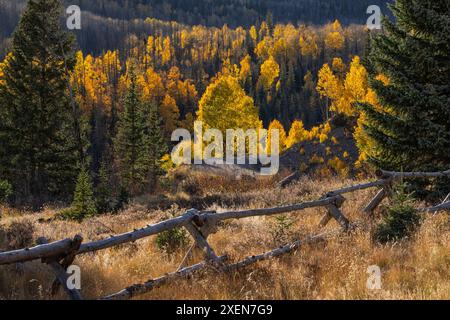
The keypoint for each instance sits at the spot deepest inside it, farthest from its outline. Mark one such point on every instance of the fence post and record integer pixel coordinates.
(379, 197)
(200, 240)
(335, 212)
(60, 268)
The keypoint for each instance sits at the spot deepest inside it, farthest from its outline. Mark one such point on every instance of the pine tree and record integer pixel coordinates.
(36, 130)
(83, 204)
(411, 131)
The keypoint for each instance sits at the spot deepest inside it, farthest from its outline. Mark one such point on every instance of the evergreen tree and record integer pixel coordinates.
(410, 129)
(103, 192)
(131, 143)
(83, 204)
(154, 143)
(36, 130)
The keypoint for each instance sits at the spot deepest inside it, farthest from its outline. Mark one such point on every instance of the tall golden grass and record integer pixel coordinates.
(415, 268)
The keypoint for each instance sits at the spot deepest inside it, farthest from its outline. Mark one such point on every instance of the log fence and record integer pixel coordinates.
(59, 255)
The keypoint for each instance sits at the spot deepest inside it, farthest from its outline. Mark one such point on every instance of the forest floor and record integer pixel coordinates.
(415, 268)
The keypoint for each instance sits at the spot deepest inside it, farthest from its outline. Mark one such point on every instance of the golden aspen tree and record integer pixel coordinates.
(151, 85)
(245, 72)
(167, 53)
(225, 105)
(270, 70)
(264, 30)
(253, 34)
(334, 38)
(276, 125)
(338, 66)
(149, 52)
(297, 134)
(328, 85)
(308, 43)
(169, 113)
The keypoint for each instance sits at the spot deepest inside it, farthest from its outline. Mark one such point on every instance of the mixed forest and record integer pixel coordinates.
(101, 104)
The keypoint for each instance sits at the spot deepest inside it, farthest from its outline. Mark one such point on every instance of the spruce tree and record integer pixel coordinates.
(130, 143)
(154, 144)
(411, 131)
(36, 131)
(83, 204)
(103, 192)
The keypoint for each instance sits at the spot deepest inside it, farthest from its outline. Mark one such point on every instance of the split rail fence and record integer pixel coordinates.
(61, 254)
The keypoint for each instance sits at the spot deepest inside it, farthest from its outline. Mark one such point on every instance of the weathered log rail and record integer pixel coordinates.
(60, 255)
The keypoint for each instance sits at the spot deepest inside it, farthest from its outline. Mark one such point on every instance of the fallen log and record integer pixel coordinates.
(148, 286)
(278, 252)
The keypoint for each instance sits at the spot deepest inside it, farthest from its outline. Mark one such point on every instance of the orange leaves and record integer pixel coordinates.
(170, 114)
(150, 85)
(94, 79)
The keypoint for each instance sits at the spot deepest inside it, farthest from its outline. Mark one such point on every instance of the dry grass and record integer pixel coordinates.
(418, 268)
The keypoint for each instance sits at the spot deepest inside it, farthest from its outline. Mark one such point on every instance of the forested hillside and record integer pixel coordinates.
(234, 13)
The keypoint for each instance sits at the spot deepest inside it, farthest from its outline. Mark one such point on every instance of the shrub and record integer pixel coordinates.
(83, 204)
(400, 220)
(172, 240)
(5, 190)
(18, 235)
(281, 230)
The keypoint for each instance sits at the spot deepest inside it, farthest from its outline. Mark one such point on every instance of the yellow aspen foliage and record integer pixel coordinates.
(264, 30)
(339, 166)
(297, 134)
(151, 85)
(253, 34)
(308, 44)
(338, 66)
(270, 70)
(263, 47)
(246, 71)
(149, 52)
(3, 65)
(91, 82)
(185, 37)
(225, 105)
(276, 125)
(328, 85)
(169, 113)
(366, 145)
(167, 51)
(334, 38)
(356, 80)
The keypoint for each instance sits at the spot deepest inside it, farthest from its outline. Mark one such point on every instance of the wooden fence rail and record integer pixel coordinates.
(61, 254)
